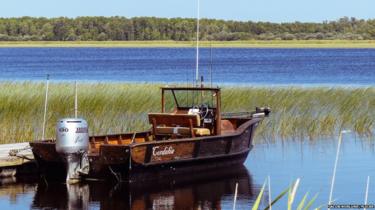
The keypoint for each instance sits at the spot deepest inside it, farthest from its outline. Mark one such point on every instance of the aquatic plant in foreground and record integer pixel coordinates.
(304, 203)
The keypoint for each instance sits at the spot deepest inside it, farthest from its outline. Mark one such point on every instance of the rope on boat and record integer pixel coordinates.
(117, 176)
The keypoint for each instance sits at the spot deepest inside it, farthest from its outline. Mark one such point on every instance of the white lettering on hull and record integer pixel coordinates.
(157, 151)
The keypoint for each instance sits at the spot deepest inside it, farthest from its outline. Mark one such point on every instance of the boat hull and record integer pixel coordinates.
(155, 159)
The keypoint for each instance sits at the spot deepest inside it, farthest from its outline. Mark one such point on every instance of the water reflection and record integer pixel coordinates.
(212, 190)
(284, 162)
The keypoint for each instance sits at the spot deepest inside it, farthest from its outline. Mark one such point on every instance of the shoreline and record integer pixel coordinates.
(181, 83)
(354, 44)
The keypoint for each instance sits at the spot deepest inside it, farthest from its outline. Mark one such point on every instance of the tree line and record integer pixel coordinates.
(178, 29)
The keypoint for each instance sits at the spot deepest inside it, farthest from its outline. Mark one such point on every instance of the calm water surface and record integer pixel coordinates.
(230, 66)
(310, 161)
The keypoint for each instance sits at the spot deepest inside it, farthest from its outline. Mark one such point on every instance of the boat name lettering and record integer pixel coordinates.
(157, 151)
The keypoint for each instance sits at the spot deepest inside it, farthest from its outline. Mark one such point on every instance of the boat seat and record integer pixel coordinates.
(182, 131)
(172, 124)
(172, 119)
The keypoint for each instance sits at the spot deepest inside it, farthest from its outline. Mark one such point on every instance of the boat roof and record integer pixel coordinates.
(192, 88)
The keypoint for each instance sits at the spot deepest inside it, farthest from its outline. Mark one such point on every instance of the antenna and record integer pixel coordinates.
(210, 64)
(75, 101)
(45, 108)
(197, 59)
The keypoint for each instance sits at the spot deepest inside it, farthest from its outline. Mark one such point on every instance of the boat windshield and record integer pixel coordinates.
(183, 99)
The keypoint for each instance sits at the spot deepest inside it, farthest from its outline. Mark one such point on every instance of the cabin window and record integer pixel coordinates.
(183, 99)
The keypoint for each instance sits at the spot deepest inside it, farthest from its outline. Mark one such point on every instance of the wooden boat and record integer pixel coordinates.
(189, 134)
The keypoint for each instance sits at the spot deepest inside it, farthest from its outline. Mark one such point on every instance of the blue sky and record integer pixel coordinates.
(255, 10)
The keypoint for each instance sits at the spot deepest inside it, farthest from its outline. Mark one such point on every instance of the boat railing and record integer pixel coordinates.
(228, 115)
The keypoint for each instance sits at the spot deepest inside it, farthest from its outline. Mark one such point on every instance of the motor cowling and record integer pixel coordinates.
(72, 136)
(72, 143)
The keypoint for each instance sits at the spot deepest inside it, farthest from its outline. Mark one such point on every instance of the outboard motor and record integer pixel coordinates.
(72, 143)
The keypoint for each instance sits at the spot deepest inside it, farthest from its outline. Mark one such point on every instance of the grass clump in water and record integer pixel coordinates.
(297, 113)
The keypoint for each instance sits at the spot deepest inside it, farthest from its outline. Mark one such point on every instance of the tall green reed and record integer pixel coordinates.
(297, 113)
(304, 204)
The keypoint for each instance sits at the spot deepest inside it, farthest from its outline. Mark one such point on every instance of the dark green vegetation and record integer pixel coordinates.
(299, 113)
(178, 29)
(213, 44)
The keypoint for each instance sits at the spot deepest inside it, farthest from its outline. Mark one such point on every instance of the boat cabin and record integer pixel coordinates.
(187, 112)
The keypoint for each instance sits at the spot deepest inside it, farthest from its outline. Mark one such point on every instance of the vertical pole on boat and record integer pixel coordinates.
(218, 112)
(211, 65)
(162, 101)
(335, 166)
(235, 196)
(45, 109)
(367, 188)
(201, 101)
(75, 101)
(197, 58)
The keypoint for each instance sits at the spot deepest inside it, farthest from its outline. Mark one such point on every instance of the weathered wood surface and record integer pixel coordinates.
(20, 155)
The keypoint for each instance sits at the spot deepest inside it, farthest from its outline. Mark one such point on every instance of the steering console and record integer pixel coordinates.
(205, 113)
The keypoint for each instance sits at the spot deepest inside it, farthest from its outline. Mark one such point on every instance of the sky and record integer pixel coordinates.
(254, 10)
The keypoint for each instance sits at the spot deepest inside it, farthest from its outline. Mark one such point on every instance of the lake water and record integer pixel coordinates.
(229, 66)
(284, 162)
(312, 162)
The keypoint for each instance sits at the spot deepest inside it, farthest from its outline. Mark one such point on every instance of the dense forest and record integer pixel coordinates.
(179, 29)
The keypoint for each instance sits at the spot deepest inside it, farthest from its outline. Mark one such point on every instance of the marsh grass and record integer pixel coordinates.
(297, 113)
(307, 113)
